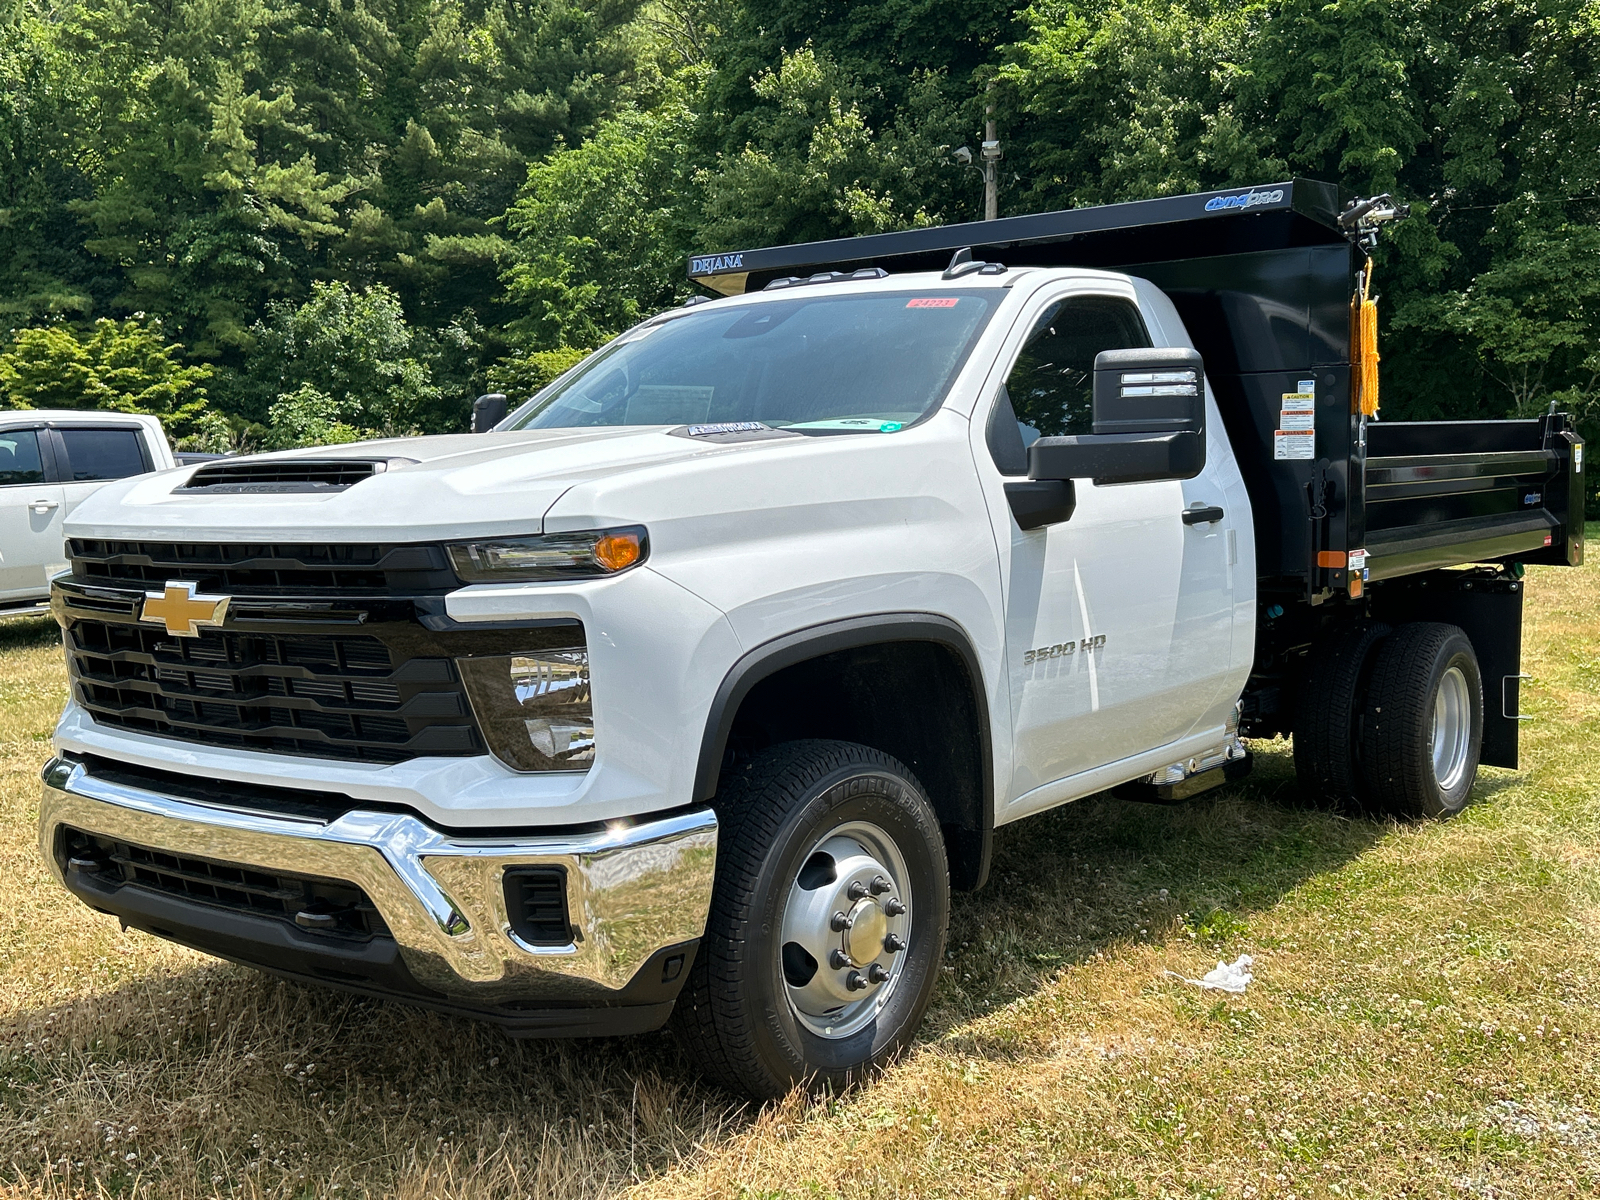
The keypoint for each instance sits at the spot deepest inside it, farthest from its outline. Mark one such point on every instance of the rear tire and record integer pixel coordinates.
(1423, 727)
(1327, 720)
(770, 1000)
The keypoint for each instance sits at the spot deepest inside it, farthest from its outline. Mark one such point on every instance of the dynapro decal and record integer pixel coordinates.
(715, 263)
(1248, 200)
(1062, 649)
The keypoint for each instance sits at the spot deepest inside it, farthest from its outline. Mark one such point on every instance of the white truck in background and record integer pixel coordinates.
(694, 686)
(51, 461)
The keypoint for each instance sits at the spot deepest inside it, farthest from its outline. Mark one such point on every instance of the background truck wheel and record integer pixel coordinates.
(1423, 726)
(1328, 716)
(827, 921)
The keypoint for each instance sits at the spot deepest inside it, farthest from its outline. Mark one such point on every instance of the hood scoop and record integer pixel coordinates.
(285, 475)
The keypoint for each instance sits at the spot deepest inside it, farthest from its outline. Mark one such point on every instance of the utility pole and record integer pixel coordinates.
(991, 162)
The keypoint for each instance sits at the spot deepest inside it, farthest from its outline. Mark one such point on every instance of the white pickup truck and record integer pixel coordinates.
(697, 683)
(51, 460)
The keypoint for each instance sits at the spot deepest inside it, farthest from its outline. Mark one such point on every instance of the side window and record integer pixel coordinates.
(1052, 382)
(19, 457)
(102, 453)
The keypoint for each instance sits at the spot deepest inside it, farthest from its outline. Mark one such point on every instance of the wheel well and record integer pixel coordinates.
(915, 700)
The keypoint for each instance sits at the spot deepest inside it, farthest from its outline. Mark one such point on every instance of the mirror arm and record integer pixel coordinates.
(1118, 457)
(1039, 502)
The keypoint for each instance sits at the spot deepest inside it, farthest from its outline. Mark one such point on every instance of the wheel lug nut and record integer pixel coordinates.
(894, 908)
(893, 944)
(838, 922)
(837, 960)
(876, 973)
(853, 981)
(856, 890)
(880, 885)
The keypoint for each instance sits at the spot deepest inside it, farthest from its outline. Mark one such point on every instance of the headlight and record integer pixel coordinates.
(585, 555)
(534, 709)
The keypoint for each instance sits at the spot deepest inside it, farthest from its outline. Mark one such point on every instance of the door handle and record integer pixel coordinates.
(1207, 515)
(44, 506)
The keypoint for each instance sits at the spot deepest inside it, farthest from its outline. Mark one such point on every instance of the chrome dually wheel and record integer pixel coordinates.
(1452, 728)
(1422, 728)
(845, 930)
(827, 921)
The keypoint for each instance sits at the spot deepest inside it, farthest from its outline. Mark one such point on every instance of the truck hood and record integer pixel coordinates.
(434, 487)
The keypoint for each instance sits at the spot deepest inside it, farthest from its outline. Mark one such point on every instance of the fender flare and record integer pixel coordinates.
(852, 633)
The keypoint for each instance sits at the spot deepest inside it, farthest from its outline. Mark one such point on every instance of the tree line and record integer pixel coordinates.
(286, 221)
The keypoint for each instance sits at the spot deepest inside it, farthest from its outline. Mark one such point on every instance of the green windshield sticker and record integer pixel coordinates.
(890, 427)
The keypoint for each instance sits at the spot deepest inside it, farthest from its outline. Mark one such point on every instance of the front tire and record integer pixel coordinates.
(1423, 727)
(827, 922)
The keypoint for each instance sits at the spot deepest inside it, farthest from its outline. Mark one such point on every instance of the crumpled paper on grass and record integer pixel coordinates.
(1228, 977)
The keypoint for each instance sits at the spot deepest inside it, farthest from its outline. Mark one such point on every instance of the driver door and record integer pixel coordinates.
(1118, 620)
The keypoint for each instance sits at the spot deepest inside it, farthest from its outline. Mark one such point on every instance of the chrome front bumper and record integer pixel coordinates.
(633, 891)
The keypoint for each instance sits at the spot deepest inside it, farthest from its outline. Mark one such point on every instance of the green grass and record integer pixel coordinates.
(1423, 1020)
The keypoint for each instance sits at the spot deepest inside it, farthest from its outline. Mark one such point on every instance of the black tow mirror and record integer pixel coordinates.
(1149, 422)
(1149, 391)
(488, 411)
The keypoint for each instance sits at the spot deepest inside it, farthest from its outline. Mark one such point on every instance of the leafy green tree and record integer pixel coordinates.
(205, 188)
(887, 50)
(45, 272)
(308, 417)
(349, 355)
(489, 88)
(813, 168)
(600, 232)
(518, 376)
(118, 366)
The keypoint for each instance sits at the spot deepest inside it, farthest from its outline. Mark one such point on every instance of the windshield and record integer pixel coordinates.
(815, 363)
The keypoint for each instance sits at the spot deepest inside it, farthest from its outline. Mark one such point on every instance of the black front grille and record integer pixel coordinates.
(536, 901)
(247, 475)
(338, 695)
(265, 570)
(338, 651)
(323, 906)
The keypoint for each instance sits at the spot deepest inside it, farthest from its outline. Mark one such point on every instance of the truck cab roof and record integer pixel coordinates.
(73, 416)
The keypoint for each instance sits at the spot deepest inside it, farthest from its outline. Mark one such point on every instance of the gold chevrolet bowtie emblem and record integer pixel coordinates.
(181, 611)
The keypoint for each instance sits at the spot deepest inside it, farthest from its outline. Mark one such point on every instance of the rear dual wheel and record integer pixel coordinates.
(1391, 720)
(1422, 728)
(827, 920)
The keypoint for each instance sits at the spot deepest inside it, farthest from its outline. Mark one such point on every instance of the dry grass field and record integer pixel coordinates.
(1423, 1020)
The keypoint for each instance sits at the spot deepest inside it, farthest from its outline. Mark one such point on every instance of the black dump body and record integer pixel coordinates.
(1264, 279)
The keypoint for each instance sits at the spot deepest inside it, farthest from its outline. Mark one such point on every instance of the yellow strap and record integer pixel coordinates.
(1367, 346)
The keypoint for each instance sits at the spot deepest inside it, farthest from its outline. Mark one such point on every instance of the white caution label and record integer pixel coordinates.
(1294, 444)
(1297, 420)
(1299, 401)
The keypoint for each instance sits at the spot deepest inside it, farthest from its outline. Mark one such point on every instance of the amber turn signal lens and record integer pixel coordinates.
(617, 550)
(1355, 587)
